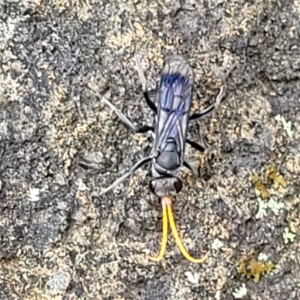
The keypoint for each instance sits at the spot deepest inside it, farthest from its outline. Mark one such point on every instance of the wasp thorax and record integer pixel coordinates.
(169, 158)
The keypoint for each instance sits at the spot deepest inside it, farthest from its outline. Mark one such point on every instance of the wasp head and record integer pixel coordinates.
(165, 186)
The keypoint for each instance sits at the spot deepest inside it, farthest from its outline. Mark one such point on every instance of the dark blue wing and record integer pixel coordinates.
(172, 86)
(174, 103)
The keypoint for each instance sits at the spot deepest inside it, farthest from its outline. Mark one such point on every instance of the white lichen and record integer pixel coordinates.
(287, 126)
(192, 277)
(218, 295)
(275, 206)
(263, 206)
(81, 185)
(262, 257)
(58, 282)
(217, 244)
(33, 195)
(262, 209)
(240, 292)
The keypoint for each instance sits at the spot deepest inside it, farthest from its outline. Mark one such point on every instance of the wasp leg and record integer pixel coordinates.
(202, 113)
(138, 165)
(209, 109)
(122, 117)
(196, 146)
(144, 129)
(150, 102)
(191, 168)
(141, 73)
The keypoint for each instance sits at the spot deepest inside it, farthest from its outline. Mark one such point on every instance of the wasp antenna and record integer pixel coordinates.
(164, 236)
(178, 239)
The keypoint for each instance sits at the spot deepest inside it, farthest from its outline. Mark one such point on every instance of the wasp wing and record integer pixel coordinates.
(174, 104)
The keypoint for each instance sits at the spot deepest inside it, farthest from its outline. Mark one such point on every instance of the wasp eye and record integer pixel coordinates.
(152, 186)
(177, 185)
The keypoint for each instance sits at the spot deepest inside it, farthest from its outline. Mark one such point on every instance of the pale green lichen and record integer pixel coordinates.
(288, 236)
(262, 209)
(263, 206)
(275, 206)
(287, 126)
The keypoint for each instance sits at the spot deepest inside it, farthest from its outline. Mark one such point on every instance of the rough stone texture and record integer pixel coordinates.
(59, 146)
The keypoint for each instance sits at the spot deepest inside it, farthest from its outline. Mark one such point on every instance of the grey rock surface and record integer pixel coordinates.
(60, 145)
